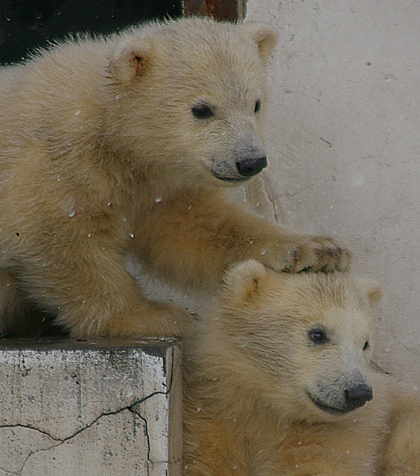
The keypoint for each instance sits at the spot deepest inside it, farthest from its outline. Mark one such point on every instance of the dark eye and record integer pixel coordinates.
(257, 106)
(318, 336)
(366, 346)
(202, 111)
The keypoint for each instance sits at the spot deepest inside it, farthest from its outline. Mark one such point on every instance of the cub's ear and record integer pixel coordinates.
(372, 289)
(129, 60)
(265, 37)
(244, 281)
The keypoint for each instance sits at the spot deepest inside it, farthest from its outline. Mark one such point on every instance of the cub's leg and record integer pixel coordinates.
(94, 296)
(194, 238)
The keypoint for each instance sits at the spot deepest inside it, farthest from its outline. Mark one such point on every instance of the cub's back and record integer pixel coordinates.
(55, 97)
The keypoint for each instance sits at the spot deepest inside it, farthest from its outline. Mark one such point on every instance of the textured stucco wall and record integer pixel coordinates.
(343, 139)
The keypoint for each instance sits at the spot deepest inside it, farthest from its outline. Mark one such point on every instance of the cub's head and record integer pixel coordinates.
(300, 343)
(188, 95)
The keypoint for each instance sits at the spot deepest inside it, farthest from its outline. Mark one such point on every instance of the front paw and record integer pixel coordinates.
(176, 322)
(307, 253)
(318, 253)
(152, 319)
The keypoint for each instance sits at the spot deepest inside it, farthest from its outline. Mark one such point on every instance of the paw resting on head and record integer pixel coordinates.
(320, 253)
(312, 253)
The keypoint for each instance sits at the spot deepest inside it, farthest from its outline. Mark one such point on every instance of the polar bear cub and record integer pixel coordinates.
(279, 382)
(125, 145)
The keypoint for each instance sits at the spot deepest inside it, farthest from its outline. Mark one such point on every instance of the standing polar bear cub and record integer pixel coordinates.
(278, 382)
(126, 144)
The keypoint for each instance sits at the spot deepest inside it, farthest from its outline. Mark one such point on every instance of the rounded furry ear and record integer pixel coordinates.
(129, 61)
(372, 289)
(245, 279)
(265, 36)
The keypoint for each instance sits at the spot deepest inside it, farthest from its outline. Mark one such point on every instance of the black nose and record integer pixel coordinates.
(358, 395)
(252, 166)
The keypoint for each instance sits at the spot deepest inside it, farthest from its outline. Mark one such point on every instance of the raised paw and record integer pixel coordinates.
(319, 253)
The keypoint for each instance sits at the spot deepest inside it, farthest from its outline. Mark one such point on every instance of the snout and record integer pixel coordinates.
(339, 400)
(239, 165)
(357, 395)
(249, 166)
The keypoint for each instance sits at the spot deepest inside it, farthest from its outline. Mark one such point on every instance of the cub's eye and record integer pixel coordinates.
(366, 346)
(257, 106)
(202, 111)
(318, 336)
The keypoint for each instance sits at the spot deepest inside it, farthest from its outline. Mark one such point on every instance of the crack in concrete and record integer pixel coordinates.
(61, 441)
(146, 434)
(271, 199)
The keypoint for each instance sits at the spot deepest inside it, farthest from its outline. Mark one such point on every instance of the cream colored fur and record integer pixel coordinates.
(252, 373)
(101, 155)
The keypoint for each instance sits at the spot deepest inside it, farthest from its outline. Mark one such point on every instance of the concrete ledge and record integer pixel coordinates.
(103, 407)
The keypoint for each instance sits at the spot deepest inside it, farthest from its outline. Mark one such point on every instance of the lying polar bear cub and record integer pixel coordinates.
(279, 382)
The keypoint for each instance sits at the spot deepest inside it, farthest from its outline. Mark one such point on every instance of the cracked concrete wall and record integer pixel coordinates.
(90, 408)
(342, 130)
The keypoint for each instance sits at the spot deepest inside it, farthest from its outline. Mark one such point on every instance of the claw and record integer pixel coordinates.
(307, 269)
(318, 252)
(335, 252)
